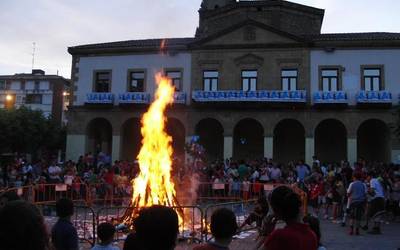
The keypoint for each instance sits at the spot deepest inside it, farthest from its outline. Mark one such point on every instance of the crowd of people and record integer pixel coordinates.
(22, 227)
(360, 195)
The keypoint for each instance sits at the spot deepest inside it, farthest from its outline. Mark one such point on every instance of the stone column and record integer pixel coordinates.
(351, 150)
(228, 147)
(116, 148)
(75, 146)
(269, 147)
(310, 150)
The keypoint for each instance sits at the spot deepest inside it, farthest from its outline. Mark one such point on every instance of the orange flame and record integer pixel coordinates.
(153, 186)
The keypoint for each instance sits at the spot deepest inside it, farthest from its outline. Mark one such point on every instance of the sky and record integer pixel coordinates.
(55, 25)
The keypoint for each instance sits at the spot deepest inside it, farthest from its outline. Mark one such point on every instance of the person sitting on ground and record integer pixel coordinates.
(260, 211)
(22, 227)
(313, 222)
(296, 235)
(357, 195)
(105, 232)
(223, 227)
(63, 234)
(156, 229)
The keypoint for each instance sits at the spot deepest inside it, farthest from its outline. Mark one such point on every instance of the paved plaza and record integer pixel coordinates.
(335, 237)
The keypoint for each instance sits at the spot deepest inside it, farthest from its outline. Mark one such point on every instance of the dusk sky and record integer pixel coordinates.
(56, 24)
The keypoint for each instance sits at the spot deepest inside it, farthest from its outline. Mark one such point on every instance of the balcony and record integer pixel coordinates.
(38, 91)
(99, 98)
(379, 97)
(180, 97)
(330, 97)
(134, 98)
(298, 96)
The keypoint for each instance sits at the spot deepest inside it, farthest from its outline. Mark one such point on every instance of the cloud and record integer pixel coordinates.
(57, 24)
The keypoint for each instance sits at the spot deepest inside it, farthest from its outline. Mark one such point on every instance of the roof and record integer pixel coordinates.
(135, 44)
(28, 76)
(183, 43)
(265, 3)
(369, 36)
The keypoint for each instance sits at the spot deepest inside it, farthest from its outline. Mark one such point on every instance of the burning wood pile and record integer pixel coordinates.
(153, 186)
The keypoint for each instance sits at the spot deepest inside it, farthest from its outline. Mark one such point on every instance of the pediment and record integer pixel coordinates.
(250, 33)
(249, 59)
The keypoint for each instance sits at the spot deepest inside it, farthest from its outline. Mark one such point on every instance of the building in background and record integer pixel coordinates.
(38, 91)
(259, 79)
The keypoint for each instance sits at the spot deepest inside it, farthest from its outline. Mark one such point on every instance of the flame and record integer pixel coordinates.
(153, 186)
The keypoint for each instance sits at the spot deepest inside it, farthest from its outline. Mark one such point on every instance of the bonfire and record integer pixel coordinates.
(153, 185)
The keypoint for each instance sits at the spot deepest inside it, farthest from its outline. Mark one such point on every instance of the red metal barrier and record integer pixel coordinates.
(112, 195)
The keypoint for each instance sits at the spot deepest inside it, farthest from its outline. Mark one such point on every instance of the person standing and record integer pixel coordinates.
(357, 197)
(377, 203)
(63, 234)
(302, 172)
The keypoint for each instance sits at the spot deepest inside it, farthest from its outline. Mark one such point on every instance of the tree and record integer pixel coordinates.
(28, 131)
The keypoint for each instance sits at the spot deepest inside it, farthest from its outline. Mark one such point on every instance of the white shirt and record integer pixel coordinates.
(275, 173)
(255, 175)
(264, 175)
(377, 186)
(54, 172)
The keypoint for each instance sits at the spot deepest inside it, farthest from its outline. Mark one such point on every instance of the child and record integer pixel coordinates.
(223, 227)
(357, 198)
(105, 233)
(315, 196)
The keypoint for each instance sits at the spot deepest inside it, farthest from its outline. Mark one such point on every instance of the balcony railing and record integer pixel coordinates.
(100, 98)
(327, 97)
(180, 97)
(134, 97)
(374, 97)
(299, 96)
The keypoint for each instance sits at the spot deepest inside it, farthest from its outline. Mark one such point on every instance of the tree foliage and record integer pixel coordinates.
(28, 131)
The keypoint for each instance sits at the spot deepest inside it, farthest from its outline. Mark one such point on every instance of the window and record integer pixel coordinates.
(176, 78)
(136, 81)
(29, 85)
(2, 85)
(372, 79)
(330, 79)
(15, 86)
(37, 85)
(44, 85)
(249, 80)
(102, 82)
(33, 99)
(210, 80)
(289, 79)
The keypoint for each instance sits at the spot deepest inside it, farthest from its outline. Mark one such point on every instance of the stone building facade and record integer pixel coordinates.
(36, 90)
(259, 79)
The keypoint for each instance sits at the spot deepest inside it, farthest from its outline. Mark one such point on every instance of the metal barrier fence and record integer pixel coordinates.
(84, 220)
(48, 193)
(191, 225)
(101, 194)
(194, 225)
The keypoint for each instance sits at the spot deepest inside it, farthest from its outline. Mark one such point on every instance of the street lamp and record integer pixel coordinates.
(9, 101)
(9, 98)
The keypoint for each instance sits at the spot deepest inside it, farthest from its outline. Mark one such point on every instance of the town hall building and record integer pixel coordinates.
(258, 79)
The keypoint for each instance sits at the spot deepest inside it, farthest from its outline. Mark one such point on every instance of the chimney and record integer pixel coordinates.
(38, 72)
